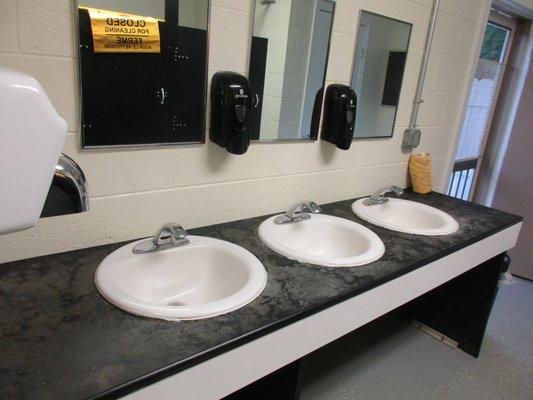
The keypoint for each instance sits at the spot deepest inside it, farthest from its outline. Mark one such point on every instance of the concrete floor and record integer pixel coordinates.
(389, 359)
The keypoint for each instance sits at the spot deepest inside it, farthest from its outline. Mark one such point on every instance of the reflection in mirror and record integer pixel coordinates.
(142, 70)
(288, 58)
(379, 64)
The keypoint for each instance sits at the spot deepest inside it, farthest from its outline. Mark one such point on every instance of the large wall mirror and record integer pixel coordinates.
(379, 64)
(288, 60)
(142, 70)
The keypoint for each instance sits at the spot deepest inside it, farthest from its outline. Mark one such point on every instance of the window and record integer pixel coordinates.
(494, 43)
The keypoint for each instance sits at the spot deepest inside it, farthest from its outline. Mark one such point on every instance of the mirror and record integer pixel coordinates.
(379, 65)
(143, 66)
(288, 61)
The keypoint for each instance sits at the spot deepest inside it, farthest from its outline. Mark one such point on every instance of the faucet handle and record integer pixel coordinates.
(379, 196)
(312, 207)
(397, 190)
(170, 233)
(297, 212)
(298, 209)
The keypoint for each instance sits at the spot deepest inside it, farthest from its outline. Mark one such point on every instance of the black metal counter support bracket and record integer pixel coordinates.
(282, 384)
(459, 309)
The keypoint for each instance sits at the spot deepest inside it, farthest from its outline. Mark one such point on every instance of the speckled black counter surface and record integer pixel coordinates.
(61, 340)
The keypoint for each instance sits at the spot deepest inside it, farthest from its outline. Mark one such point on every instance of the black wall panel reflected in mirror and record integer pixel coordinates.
(379, 65)
(138, 98)
(288, 60)
(258, 58)
(393, 78)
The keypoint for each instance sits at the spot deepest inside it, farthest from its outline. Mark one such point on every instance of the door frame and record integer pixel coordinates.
(498, 20)
(506, 108)
(509, 23)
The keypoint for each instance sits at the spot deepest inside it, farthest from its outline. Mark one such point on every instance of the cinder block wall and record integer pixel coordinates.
(133, 192)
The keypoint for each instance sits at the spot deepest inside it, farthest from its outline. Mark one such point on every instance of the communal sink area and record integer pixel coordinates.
(203, 278)
(62, 340)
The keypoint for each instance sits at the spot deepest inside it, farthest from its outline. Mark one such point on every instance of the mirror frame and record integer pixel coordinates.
(303, 140)
(82, 146)
(403, 73)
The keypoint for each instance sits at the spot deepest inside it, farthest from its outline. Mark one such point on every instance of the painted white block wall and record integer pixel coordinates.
(272, 21)
(296, 66)
(134, 191)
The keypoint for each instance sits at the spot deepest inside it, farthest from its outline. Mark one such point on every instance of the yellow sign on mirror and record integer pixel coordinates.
(115, 32)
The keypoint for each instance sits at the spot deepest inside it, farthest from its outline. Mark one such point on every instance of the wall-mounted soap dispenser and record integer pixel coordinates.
(230, 111)
(339, 115)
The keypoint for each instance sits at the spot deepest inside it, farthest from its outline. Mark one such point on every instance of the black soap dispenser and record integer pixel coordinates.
(339, 115)
(230, 111)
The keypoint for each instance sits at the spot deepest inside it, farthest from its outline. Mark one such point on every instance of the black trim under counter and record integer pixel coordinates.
(61, 340)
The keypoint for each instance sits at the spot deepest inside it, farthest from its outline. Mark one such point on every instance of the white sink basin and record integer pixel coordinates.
(323, 240)
(204, 278)
(407, 216)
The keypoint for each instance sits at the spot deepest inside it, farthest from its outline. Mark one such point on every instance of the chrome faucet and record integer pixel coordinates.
(297, 212)
(68, 191)
(379, 196)
(169, 235)
(69, 176)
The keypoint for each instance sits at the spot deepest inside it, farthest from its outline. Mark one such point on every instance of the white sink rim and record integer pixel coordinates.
(112, 292)
(375, 252)
(449, 224)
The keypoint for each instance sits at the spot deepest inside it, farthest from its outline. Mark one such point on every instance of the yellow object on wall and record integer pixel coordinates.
(420, 171)
(123, 33)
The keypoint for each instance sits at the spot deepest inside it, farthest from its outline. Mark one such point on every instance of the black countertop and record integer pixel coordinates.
(61, 340)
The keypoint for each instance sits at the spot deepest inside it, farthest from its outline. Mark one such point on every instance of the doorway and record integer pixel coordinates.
(495, 49)
(514, 191)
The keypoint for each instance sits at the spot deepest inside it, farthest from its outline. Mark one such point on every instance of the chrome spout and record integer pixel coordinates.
(68, 192)
(379, 196)
(297, 212)
(70, 177)
(169, 235)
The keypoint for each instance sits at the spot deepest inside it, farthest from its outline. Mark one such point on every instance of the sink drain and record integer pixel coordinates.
(176, 303)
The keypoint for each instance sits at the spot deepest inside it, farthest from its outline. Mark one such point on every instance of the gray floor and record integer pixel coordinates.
(389, 359)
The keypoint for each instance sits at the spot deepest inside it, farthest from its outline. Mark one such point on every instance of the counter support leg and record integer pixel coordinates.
(282, 384)
(460, 308)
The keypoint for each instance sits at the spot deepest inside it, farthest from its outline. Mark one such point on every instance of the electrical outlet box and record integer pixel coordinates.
(411, 138)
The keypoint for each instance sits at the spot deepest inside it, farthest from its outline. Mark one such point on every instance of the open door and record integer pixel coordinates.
(482, 100)
(514, 190)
